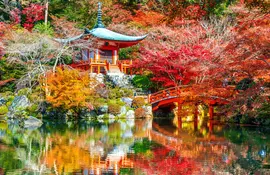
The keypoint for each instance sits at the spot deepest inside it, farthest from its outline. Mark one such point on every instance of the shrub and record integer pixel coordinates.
(98, 102)
(44, 29)
(114, 108)
(3, 110)
(140, 113)
(142, 81)
(24, 91)
(138, 102)
(68, 89)
(117, 92)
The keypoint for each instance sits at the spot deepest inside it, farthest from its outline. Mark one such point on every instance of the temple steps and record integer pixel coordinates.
(114, 69)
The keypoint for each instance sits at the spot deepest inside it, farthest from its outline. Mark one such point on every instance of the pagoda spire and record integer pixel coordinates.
(99, 23)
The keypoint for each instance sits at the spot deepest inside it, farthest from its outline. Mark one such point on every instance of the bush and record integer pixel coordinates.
(97, 102)
(128, 53)
(116, 93)
(3, 110)
(8, 71)
(24, 91)
(140, 113)
(138, 102)
(44, 29)
(142, 81)
(114, 108)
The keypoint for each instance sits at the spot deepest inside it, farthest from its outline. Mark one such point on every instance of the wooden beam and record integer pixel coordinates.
(211, 112)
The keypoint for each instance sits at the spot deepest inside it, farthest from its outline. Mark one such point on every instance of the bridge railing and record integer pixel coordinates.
(166, 93)
(222, 93)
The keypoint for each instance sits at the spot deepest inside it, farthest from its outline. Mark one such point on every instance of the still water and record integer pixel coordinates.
(150, 147)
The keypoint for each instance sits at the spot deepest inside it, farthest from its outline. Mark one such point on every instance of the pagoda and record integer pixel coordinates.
(104, 59)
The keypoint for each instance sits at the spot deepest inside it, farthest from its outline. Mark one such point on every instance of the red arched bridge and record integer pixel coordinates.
(181, 94)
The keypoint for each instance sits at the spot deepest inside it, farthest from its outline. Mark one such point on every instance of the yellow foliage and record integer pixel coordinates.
(68, 88)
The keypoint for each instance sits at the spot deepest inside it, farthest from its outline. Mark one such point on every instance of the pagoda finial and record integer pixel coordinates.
(99, 23)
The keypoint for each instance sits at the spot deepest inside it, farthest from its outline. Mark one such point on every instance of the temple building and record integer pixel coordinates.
(105, 59)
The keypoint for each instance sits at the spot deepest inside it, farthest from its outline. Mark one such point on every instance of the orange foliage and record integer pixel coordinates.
(68, 88)
(148, 18)
(68, 158)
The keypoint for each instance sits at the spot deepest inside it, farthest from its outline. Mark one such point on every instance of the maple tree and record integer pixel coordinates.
(68, 88)
(28, 15)
(33, 13)
(177, 67)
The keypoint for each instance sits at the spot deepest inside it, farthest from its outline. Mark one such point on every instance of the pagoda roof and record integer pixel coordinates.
(106, 34)
(99, 31)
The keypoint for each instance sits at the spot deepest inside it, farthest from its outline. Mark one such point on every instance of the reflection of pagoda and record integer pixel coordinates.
(105, 58)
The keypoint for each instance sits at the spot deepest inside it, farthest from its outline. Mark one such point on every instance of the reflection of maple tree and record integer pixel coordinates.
(68, 158)
(163, 161)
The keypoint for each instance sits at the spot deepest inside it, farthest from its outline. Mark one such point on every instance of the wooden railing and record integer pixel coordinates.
(98, 64)
(124, 66)
(172, 92)
(185, 92)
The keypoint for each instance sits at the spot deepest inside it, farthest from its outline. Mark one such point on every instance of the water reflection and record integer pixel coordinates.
(134, 147)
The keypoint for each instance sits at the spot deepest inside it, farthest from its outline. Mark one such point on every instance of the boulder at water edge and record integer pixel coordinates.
(2, 101)
(19, 103)
(123, 110)
(103, 109)
(127, 100)
(148, 111)
(32, 123)
(130, 114)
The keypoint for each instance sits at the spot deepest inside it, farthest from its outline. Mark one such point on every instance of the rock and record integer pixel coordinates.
(130, 114)
(119, 79)
(127, 100)
(127, 134)
(98, 77)
(88, 114)
(32, 123)
(111, 116)
(19, 103)
(103, 109)
(148, 110)
(2, 101)
(123, 110)
(100, 118)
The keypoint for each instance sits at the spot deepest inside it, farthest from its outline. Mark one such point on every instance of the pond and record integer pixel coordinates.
(134, 147)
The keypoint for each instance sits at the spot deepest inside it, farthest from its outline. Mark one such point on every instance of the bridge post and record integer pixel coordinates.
(196, 112)
(210, 127)
(179, 117)
(211, 112)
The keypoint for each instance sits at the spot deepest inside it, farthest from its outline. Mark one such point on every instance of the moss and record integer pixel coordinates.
(33, 108)
(3, 110)
(24, 91)
(9, 103)
(116, 93)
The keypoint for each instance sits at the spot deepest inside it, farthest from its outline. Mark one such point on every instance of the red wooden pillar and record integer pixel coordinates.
(211, 112)
(196, 112)
(179, 117)
(210, 127)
